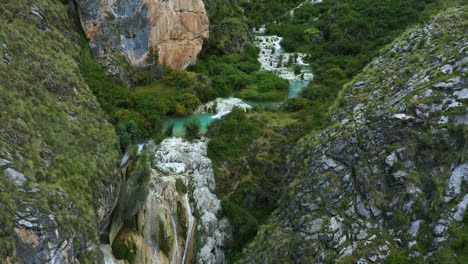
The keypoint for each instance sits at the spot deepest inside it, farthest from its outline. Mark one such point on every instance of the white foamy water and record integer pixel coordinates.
(190, 227)
(272, 57)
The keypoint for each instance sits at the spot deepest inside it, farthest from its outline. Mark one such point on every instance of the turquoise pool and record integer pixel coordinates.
(295, 88)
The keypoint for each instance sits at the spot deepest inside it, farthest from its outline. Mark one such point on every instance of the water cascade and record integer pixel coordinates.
(190, 227)
(108, 257)
(176, 256)
(178, 159)
(272, 57)
(151, 225)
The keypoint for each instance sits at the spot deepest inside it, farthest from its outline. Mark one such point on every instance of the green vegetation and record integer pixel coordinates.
(267, 87)
(248, 149)
(244, 224)
(138, 114)
(192, 129)
(231, 135)
(46, 107)
(340, 38)
(180, 186)
(136, 186)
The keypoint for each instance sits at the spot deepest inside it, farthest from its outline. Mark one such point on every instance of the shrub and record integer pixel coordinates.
(294, 104)
(231, 135)
(192, 129)
(297, 69)
(180, 79)
(190, 102)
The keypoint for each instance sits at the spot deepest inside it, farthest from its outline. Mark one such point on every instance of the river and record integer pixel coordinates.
(272, 57)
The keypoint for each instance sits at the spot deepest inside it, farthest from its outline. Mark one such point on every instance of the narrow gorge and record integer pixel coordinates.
(233, 131)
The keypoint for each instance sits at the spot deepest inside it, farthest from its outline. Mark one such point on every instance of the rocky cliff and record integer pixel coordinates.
(175, 27)
(58, 154)
(180, 220)
(229, 32)
(386, 180)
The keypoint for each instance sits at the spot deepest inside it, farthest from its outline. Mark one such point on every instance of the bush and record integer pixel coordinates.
(180, 79)
(192, 129)
(231, 135)
(190, 102)
(297, 69)
(144, 78)
(294, 104)
(129, 133)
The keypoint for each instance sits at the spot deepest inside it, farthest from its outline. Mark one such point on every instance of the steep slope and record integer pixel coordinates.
(229, 32)
(387, 178)
(58, 154)
(175, 27)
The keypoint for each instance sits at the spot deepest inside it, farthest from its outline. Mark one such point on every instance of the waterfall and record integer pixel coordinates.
(189, 232)
(176, 243)
(152, 223)
(106, 251)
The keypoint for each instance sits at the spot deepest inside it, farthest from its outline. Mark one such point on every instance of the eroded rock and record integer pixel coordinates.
(175, 27)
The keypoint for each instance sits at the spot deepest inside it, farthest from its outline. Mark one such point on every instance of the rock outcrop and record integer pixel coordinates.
(181, 220)
(176, 28)
(175, 157)
(388, 174)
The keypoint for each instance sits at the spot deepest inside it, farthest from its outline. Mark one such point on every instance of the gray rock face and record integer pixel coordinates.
(180, 157)
(454, 184)
(14, 176)
(175, 27)
(4, 162)
(413, 232)
(461, 208)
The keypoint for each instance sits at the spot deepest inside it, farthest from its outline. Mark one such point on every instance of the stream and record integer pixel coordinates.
(272, 57)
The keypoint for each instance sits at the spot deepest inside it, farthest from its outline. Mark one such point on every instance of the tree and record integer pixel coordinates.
(189, 101)
(297, 69)
(192, 129)
(168, 130)
(153, 56)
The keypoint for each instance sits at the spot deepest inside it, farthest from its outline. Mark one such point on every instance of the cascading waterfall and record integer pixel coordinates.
(175, 159)
(189, 232)
(106, 251)
(176, 243)
(152, 224)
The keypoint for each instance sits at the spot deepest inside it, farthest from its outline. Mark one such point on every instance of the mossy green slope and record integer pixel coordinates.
(52, 131)
(378, 183)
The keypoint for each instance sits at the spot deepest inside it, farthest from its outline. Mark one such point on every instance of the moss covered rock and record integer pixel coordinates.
(386, 178)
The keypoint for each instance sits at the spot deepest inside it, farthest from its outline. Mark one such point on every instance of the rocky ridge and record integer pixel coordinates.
(388, 174)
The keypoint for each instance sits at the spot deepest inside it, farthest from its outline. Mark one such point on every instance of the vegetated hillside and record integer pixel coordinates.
(387, 177)
(229, 32)
(339, 36)
(58, 154)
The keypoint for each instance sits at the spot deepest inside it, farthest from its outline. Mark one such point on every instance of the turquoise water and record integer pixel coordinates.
(178, 122)
(295, 88)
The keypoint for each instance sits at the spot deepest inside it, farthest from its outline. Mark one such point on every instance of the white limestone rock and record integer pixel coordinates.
(15, 176)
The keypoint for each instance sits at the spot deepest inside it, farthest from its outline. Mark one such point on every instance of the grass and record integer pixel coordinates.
(252, 93)
(50, 114)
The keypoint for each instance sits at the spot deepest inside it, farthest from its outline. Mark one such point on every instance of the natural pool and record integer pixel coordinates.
(178, 130)
(270, 59)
